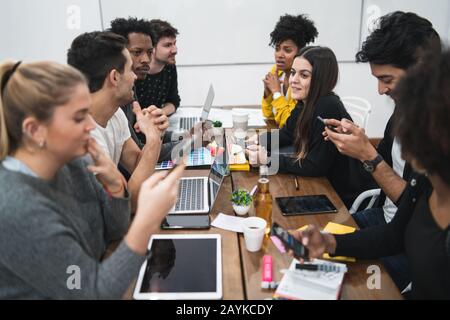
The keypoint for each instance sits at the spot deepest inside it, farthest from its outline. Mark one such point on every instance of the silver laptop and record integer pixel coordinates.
(198, 194)
(186, 123)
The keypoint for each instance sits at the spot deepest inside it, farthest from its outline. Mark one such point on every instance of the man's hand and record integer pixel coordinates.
(272, 83)
(350, 139)
(145, 123)
(317, 242)
(159, 118)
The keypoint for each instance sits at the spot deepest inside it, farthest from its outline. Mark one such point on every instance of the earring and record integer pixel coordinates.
(41, 144)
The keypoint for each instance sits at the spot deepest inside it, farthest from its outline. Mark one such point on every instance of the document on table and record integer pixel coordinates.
(227, 222)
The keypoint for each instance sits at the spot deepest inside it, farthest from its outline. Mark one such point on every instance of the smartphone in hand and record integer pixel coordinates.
(289, 242)
(332, 128)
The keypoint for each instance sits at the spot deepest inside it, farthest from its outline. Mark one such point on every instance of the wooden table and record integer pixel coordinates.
(241, 270)
(354, 286)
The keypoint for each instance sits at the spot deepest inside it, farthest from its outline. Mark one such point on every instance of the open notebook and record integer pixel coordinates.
(310, 285)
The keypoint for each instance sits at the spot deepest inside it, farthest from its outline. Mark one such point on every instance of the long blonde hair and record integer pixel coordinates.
(33, 89)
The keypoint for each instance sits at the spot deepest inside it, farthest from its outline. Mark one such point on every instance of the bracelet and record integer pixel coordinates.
(111, 193)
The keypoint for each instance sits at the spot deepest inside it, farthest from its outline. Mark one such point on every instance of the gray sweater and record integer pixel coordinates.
(50, 229)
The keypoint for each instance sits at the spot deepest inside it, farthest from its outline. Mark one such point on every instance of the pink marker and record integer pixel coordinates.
(267, 274)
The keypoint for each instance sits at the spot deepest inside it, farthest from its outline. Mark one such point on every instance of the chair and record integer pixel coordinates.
(374, 193)
(359, 109)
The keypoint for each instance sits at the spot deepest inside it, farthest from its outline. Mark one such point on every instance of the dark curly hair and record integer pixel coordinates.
(95, 54)
(161, 29)
(124, 26)
(422, 114)
(399, 40)
(299, 29)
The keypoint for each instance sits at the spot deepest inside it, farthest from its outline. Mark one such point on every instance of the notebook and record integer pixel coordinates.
(310, 285)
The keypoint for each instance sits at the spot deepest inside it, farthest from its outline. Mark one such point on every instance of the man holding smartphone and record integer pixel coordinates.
(389, 60)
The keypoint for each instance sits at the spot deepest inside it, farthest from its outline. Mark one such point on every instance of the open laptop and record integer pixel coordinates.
(196, 195)
(186, 123)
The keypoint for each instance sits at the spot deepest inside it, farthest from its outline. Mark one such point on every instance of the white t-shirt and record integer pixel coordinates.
(113, 137)
(398, 165)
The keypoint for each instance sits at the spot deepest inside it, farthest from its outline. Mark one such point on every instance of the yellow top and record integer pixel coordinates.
(283, 106)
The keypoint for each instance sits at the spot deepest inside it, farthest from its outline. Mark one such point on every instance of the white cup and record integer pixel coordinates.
(254, 229)
(240, 120)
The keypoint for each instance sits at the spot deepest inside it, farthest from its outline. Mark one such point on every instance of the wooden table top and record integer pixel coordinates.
(354, 286)
(241, 270)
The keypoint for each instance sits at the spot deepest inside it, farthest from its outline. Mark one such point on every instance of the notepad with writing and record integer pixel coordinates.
(310, 285)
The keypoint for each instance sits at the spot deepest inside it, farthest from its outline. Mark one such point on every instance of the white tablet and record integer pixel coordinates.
(181, 266)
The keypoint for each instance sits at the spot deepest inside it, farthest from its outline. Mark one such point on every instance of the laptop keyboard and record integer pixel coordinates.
(190, 195)
(186, 123)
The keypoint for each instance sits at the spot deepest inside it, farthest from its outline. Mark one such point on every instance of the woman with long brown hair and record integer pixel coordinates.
(313, 77)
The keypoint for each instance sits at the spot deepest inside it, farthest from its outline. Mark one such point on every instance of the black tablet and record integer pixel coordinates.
(291, 206)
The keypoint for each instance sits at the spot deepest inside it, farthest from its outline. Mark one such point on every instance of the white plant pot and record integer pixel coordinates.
(217, 132)
(241, 210)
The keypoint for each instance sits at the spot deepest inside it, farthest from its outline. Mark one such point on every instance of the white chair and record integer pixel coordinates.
(359, 109)
(374, 193)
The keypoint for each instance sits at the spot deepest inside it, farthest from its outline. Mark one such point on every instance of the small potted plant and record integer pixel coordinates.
(217, 128)
(241, 201)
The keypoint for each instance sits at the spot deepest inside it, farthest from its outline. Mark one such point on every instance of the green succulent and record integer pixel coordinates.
(217, 124)
(241, 197)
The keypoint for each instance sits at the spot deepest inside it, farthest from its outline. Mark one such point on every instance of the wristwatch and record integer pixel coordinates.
(371, 165)
(276, 95)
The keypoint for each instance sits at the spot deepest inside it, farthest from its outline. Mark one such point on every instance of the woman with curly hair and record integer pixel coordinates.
(290, 35)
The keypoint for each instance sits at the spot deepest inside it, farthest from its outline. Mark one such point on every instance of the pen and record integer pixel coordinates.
(296, 183)
(320, 267)
(253, 190)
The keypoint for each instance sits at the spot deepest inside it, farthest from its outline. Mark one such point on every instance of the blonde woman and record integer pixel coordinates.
(56, 217)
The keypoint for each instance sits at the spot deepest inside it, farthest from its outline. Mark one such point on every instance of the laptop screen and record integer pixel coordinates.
(208, 103)
(219, 170)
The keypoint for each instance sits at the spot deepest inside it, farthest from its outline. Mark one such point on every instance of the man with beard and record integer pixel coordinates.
(138, 33)
(105, 61)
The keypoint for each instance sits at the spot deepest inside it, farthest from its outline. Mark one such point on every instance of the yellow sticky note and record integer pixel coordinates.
(336, 228)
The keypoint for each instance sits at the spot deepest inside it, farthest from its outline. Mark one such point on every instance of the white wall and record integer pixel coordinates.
(230, 50)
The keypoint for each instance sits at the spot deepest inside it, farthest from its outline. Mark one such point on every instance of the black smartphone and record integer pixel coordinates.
(327, 125)
(186, 222)
(289, 242)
